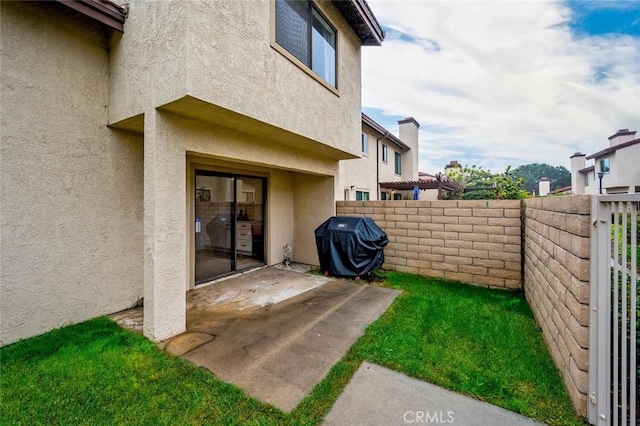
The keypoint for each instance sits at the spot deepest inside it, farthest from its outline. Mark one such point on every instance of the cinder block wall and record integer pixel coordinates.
(556, 283)
(477, 242)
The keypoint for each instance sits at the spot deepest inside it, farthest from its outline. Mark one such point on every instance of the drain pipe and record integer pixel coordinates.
(385, 136)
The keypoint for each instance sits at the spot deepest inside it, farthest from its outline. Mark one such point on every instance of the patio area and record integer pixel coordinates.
(273, 332)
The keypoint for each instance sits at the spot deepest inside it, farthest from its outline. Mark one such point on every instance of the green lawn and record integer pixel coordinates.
(476, 341)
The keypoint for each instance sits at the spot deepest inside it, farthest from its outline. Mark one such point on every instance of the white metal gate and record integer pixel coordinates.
(613, 325)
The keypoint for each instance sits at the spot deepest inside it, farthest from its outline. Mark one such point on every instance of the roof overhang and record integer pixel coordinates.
(384, 133)
(106, 12)
(612, 149)
(360, 17)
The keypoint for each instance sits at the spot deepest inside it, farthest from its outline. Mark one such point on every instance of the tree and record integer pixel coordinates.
(471, 177)
(509, 186)
(532, 173)
(480, 184)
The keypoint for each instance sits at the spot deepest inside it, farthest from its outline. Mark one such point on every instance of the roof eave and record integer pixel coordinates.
(384, 132)
(360, 17)
(612, 149)
(105, 12)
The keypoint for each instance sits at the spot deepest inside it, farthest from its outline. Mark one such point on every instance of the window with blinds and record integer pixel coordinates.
(303, 32)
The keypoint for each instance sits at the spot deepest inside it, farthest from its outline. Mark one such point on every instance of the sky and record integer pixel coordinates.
(505, 83)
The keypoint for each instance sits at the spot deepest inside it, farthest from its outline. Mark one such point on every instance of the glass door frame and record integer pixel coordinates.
(233, 250)
(203, 169)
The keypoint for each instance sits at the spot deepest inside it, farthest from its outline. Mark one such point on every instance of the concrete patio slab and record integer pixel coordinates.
(379, 396)
(131, 319)
(257, 288)
(278, 352)
(186, 342)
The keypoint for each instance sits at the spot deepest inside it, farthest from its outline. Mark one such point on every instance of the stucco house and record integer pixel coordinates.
(617, 164)
(385, 157)
(152, 147)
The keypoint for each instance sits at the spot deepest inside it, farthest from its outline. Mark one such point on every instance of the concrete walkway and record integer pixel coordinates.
(379, 396)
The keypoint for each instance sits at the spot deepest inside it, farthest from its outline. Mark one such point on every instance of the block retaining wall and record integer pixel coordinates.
(475, 241)
(556, 282)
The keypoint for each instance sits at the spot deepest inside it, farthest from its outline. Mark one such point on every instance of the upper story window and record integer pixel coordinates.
(385, 153)
(303, 32)
(398, 163)
(365, 143)
(604, 165)
(586, 179)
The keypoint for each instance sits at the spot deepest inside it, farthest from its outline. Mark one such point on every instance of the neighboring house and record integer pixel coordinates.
(384, 158)
(617, 165)
(189, 141)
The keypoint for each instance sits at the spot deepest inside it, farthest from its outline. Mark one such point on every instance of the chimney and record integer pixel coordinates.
(453, 164)
(408, 133)
(621, 136)
(544, 186)
(577, 180)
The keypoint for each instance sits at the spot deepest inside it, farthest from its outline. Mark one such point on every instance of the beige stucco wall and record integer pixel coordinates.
(220, 52)
(409, 134)
(203, 80)
(578, 162)
(71, 188)
(556, 283)
(203, 84)
(361, 172)
(299, 198)
(388, 169)
(300, 187)
(313, 205)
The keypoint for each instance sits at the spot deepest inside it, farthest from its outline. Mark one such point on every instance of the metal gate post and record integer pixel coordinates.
(613, 368)
(599, 318)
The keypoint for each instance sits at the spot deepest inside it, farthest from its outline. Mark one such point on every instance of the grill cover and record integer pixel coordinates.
(350, 246)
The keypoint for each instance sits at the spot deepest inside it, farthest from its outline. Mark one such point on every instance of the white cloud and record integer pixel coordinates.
(500, 82)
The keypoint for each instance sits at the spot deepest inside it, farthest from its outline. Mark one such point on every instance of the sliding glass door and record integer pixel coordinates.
(229, 215)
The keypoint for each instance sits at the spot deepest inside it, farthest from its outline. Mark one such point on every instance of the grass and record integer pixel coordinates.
(476, 341)
(617, 233)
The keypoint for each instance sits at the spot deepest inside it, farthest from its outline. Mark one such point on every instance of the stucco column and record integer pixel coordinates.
(165, 253)
(409, 134)
(313, 204)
